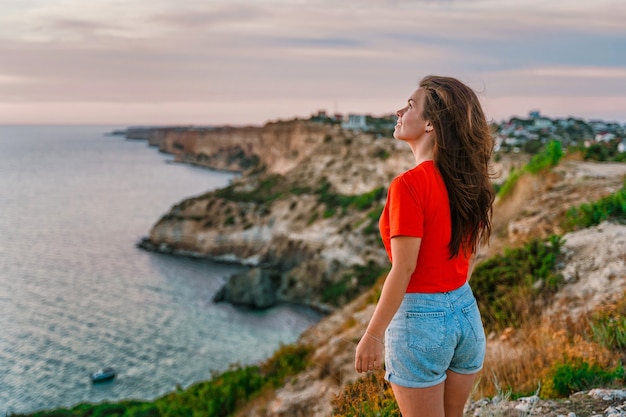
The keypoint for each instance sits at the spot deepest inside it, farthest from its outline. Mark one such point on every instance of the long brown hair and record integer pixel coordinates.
(462, 151)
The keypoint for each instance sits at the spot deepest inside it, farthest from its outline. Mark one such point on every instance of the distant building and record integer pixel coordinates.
(605, 137)
(543, 123)
(355, 122)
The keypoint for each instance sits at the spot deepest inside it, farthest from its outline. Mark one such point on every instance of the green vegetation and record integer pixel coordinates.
(367, 396)
(604, 152)
(546, 159)
(608, 326)
(381, 126)
(353, 283)
(541, 162)
(508, 286)
(509, 185)
(591, 214)
(124, 408)
(274, 187)
(219, 397)
(576, 375)
(223, 394)
(267, 190)
(373, 216)
(334, 202)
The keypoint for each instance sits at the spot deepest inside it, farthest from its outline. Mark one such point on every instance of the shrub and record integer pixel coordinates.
(382, 154)
(597, 152)
(353, 283)
(370, 395)
(511, 286)
(591, 214)
(227, 391)
(542, 161)
(546, 159)
(576, 375)
(608, 326)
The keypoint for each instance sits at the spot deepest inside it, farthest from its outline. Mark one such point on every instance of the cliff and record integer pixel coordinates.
(306, 205)
(305, 210)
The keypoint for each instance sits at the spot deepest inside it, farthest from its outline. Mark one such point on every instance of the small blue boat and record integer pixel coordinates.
(103, 375)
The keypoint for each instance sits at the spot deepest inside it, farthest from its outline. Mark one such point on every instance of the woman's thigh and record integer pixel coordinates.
(447, 399)
(420, 402)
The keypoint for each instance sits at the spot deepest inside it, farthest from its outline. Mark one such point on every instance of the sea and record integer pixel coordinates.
(77, 295)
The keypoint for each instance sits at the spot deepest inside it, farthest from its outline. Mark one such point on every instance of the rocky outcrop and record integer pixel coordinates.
(595, 269)
(309, 198)
(278, 146)
(309, 209)
(539, 202)
(255, 288)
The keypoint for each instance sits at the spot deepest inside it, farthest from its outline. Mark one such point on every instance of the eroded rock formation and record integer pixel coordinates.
(307, 204)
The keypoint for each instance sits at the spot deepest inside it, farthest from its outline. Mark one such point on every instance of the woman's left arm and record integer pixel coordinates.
(404, 251)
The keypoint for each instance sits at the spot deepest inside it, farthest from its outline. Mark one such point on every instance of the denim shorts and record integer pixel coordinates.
(432, 333)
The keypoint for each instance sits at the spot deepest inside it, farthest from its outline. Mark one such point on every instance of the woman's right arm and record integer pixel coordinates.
(404, 250)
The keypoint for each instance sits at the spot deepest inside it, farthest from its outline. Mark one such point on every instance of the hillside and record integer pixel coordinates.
(594, 267)
(295, 214)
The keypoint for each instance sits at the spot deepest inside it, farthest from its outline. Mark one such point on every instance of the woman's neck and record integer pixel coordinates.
(422, 152)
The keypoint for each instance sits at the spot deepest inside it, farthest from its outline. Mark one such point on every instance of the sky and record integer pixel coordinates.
(240, 62)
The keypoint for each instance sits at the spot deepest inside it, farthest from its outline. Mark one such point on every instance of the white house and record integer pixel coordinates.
(355, 122)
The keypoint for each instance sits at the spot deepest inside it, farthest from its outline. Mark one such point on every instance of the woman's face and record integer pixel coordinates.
(411, 126)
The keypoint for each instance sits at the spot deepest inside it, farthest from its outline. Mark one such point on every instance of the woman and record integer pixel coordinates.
(435, 217)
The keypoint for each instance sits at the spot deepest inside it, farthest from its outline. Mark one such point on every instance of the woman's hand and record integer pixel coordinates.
(369, 354)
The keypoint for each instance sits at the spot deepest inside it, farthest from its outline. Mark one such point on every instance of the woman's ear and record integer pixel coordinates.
(429, 127)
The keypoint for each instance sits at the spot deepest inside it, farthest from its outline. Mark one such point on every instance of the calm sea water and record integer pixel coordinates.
(77, 295)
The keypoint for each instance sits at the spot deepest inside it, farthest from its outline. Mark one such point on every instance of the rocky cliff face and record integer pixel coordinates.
(306, 205)
(308, 202)
(279, 146)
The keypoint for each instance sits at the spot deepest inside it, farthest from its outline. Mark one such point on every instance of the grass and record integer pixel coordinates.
(370, 395)
(541, 162)
(556, 354)
(591, 214)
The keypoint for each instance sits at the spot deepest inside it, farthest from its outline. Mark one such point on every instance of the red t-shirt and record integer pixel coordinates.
(417, 205)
